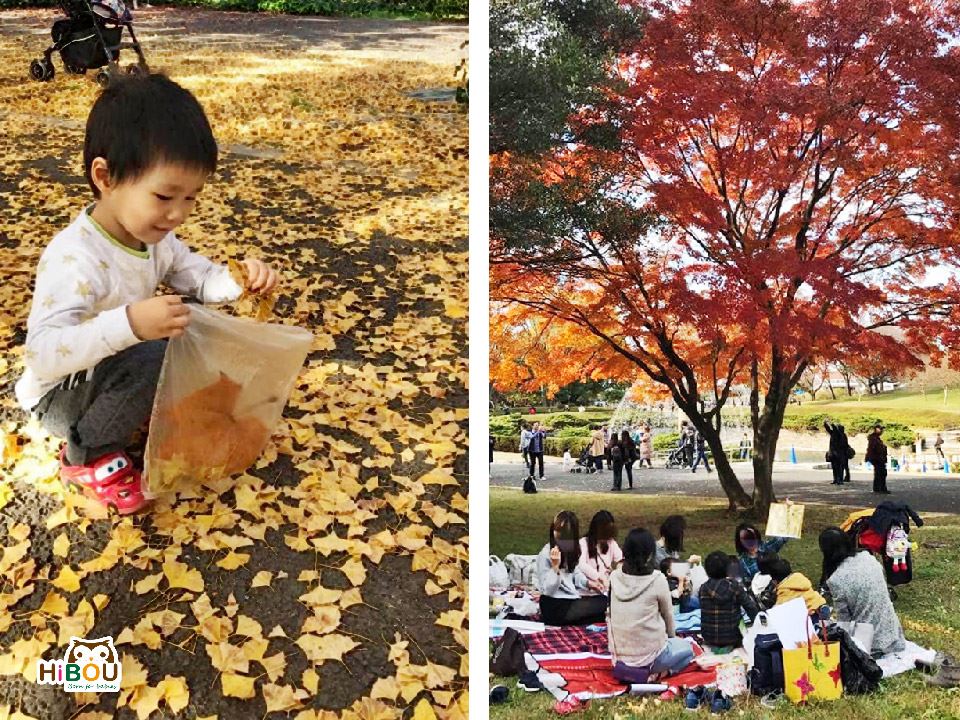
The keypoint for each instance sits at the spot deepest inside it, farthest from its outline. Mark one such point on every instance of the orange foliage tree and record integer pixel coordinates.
(785, 183)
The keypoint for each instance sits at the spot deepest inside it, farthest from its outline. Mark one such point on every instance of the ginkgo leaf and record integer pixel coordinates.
(233, 560)
(262, 579)
(423, 711)
(67, 580)
(238, 686)
(328, 647)
(310, 680)
(61, 546)
(280, 698)
(148, 584)
(180, 575)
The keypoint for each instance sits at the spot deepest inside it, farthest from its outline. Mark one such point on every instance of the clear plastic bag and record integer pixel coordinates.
(222, 389)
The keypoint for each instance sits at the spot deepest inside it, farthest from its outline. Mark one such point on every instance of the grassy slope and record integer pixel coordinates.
(929, 607)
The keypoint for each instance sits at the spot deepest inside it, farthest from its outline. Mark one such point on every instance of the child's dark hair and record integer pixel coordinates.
(138, 122)
(775, 566)
(716, 565)
(665, 565)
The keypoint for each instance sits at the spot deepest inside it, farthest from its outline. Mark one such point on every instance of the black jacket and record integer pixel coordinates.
(892, 512)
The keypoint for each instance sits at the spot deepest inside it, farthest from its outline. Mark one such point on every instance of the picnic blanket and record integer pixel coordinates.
(896, 663)
(566, 640)
(524, 627)
(581, 658)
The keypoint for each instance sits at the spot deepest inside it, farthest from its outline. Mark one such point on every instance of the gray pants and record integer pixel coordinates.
(99, 415)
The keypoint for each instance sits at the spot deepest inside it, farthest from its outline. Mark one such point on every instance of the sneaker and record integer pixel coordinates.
(111, 480)
(694, 697)
(773, 700)
(499, 694)
(569, 705)
(529, 682)
(720, 703)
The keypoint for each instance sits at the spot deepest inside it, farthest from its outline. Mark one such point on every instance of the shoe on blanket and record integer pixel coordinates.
(569, 705)
(529, 682)
(111, 480)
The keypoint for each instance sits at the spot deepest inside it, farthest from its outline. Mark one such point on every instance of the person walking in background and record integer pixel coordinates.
(877, 456)
(646, 447)
(608, 436)
(623, 452)
(687, 441)
(847, 455)
(938, 446)
(700, 446)
(525, 444)
(744, 453)
(597, 447)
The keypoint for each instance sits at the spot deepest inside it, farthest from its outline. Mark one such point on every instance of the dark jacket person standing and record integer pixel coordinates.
(838, 454)
(877, 456)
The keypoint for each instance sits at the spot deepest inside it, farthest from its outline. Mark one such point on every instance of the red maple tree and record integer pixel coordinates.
(799, 163)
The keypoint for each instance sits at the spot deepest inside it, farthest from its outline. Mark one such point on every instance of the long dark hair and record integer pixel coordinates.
(836, 547)
(741, 550)
(602, 530)
(567, 520)
(626, 442)
(672, 530)
(639, 552)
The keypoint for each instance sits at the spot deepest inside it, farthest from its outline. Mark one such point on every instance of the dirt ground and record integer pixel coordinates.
(336, 172)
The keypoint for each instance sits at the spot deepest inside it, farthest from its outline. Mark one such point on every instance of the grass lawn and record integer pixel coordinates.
(929, 607)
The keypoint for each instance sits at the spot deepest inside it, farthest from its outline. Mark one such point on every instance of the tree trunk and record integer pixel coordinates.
(736, 495)
(766, 433)
(833, 395)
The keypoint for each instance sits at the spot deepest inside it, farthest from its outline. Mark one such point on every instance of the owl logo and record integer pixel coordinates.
(98, 664)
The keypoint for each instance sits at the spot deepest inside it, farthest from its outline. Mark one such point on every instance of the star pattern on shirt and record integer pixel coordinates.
(83, 288)
(69, 259)
(104, 265)
(48, 302)
(63, 351)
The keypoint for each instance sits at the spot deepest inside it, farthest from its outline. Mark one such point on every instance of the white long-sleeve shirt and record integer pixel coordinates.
(85, 280)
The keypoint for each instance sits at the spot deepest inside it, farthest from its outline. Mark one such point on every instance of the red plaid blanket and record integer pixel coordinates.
(555, 640)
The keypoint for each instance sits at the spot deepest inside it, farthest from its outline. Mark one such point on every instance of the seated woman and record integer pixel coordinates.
(599, 552)
(858, 587)
(722, 599)
(788, 584)
(670, 544)
(750, 545)
(562, 582)
(640, 626)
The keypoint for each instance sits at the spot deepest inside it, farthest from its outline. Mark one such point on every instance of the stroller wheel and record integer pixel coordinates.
(103, 78)
(41, 70)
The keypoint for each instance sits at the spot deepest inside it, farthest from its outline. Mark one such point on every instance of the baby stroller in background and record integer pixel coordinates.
(584, 464)
(677, 458)
(89, 37)
(885, 532)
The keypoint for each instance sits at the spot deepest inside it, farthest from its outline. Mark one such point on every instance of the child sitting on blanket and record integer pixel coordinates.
(680, 588)
(787, 584)
(721, 600)
(750, 545)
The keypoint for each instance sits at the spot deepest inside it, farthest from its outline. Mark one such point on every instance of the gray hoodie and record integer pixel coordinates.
(640, 617)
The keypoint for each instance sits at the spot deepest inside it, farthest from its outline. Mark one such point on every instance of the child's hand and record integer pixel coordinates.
(261, 278)
(158, 317)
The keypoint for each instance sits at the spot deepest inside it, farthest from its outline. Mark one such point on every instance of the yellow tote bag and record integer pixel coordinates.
(812, 672)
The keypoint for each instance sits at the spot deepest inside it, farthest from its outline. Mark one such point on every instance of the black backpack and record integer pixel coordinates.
(507, 658)
(616, 453)
(766, 675)
(530, 485)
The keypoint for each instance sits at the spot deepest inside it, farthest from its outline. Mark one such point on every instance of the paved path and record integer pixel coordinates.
(927, 493)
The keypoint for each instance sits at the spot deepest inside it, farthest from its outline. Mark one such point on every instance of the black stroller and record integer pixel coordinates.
(584, 463)
(885, 532)
(89, 37)
(677, 458)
